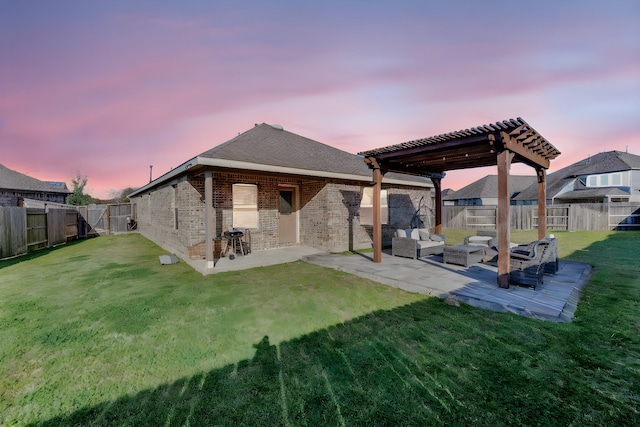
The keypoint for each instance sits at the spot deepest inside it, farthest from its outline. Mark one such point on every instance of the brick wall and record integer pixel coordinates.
(328, 216)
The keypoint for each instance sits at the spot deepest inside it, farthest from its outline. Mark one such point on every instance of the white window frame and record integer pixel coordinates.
(245, 205)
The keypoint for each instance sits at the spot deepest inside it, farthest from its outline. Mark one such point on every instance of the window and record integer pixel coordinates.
(366, 207)
(593, 181)
(616, 179)
(286, 202)
(604, 180)
(245, 205)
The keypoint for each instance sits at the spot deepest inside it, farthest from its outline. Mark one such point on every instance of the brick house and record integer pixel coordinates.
(484, 192)
(611, 176)
(286, 189)
(15, 187)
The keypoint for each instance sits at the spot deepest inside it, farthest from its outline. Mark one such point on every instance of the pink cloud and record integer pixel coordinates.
(159, 87)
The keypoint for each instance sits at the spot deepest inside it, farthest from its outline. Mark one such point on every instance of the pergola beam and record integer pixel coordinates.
(528, 156)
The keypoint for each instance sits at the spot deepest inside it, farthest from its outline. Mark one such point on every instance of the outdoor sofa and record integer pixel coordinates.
(416, 242)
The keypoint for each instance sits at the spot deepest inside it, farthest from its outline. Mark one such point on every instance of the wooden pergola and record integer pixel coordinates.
(501, 144)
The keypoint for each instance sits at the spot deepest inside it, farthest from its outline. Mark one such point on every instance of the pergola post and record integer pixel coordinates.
(208, 216)
(503, 220)
(377, 216)
(542, 202)
(437, 184)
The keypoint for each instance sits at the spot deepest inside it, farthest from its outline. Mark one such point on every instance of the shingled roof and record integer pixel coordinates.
(609, 161)
(594, 193)
(266, 144)
(16, 181)
(487, 187)
(270, 148)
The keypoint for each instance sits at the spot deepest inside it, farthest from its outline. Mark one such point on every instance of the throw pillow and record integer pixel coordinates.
(401, 233)
(435, 238)
(424, 234)
(415, 235)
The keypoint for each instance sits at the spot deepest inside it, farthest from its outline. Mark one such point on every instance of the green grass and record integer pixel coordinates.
(99, 333)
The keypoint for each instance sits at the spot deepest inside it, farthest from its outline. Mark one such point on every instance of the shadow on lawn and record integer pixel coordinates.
(414, 365)
(353, 373)
(8, 262)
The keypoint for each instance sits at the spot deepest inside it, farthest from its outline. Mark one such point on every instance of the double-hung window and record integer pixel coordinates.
(245, 205)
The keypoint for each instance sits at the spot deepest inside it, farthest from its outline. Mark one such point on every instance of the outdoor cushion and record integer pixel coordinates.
(424, 234)
(479, 240)
(428, 244)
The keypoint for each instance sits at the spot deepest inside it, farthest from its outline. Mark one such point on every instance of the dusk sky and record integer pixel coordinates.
(107, 88)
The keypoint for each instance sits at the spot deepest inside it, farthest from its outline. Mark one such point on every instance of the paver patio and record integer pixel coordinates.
(555, 300)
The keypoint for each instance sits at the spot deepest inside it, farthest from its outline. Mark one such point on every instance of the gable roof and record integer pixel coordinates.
(13, 180)
(270, 148)
(487, 187)
(609, 161)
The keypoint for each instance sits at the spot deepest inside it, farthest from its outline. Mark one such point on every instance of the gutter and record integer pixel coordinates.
(236, 164)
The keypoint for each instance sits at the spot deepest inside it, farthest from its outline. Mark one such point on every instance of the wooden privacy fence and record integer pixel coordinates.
(105, 219)
(27, 229)
(571, 217)
(24, 229)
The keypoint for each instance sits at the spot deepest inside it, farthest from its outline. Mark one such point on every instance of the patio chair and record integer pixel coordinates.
(550, 261)
(527, 263)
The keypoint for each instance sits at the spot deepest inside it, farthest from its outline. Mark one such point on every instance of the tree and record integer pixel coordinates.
(123, 197)
(78, 197)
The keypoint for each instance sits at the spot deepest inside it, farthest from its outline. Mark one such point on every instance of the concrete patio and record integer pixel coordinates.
(556, 300)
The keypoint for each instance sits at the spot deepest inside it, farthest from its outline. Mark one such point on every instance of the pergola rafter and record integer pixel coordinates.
(499, 144)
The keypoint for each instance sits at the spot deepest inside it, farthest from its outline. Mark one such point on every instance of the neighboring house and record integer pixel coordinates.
(446, 193)
(484, 192)
(612, 176)
(15, 186)
(286, 189)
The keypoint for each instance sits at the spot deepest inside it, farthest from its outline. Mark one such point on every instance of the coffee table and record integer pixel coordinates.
(462, 254)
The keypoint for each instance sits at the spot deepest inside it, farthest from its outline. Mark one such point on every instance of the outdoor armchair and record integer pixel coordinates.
(527, 263)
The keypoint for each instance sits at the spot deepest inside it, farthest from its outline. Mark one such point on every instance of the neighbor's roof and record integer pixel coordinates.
(270, 148)
(591, 193)
(609, 161)
(487, 187)
(12, 180)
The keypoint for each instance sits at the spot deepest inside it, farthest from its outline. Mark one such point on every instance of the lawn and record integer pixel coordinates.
(99, 333)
